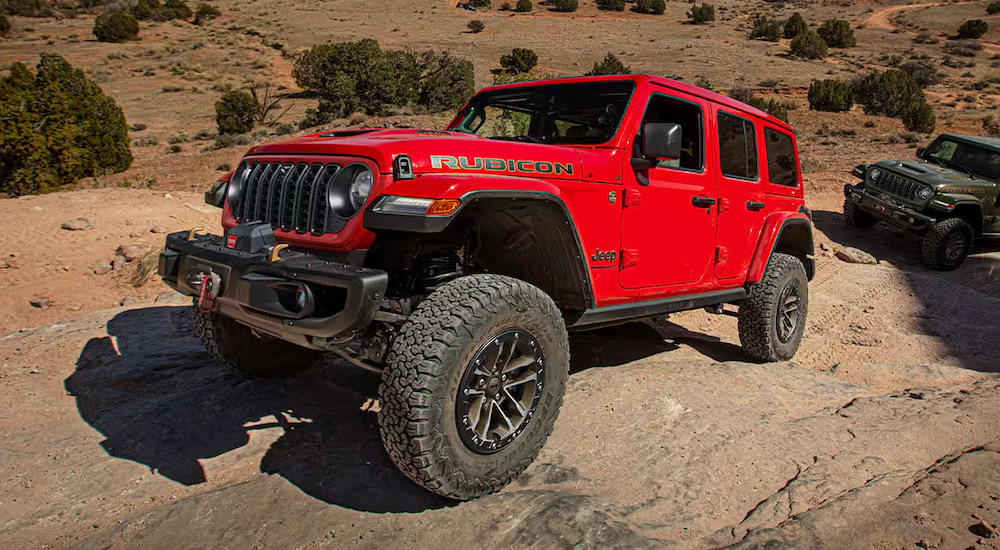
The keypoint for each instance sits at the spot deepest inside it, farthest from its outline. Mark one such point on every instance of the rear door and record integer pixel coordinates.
(668, 222)
(741, 196)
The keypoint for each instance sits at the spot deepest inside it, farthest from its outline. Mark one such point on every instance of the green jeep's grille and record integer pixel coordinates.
(897, 185)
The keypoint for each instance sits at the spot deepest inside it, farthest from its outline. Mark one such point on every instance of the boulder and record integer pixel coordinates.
(855, 256)
(79, 224)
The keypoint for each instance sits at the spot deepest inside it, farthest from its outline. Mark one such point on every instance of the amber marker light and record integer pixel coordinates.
(443, 207)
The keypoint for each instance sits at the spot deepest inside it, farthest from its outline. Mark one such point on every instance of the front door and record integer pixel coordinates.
(668, 222)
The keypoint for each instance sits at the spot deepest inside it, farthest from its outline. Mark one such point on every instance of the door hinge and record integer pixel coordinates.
(721, 254)
(632, 197)
(629, 257)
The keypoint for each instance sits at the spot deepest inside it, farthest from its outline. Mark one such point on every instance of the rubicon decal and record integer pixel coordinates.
(500, 165)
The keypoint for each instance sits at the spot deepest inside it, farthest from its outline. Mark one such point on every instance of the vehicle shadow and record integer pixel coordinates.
(614, 346)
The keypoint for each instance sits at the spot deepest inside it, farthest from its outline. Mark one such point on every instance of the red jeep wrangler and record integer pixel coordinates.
(455, 262)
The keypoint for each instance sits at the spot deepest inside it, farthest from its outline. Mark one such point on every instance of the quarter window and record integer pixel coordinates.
(737, 147)
(781, 166)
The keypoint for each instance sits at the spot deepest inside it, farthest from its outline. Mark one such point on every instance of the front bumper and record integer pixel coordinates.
(302, 298)
(889, 211)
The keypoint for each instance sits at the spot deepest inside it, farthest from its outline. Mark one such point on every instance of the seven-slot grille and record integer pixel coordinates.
(289, 196)
(898, 185)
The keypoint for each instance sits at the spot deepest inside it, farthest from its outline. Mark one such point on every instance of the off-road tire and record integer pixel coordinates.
(855, 217)
(937, 252)
(237, 347)
(758, 314)
(424, 372)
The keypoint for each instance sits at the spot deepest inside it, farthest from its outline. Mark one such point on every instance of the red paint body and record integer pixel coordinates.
(664, 245)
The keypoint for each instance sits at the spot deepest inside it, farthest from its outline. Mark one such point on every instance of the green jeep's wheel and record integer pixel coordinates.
(773, 317)
(947, 244)
(855, 217)
(239, 348)
(473, 385)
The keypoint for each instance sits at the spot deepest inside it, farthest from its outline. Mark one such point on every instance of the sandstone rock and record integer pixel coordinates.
(132, 251)
(855, 256)
(102, 269)
(156, 229)
(40, 302)
(171, 297)
(824, 247)
(79, 224)
(127, 301)
(118, 263)
(982, 529)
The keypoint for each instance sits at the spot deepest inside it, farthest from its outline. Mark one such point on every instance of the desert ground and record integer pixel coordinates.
(118, 430)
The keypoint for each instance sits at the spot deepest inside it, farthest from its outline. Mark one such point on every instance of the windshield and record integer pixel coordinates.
(965, 157)
(584, 113)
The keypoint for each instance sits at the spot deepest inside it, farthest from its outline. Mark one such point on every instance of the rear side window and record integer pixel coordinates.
(737, 147)
(781, 166)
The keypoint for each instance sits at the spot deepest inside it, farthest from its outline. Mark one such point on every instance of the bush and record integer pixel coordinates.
(205, 12)
(973, 28)
(480, 3)
(991, 126)
(765, 28)
(808, 45)
(741, 94)
(993, 8)
(476, 26)
(142, 10)
(919, 117)
(888, 93)
(4, 25)
(830, 95)
(565, 5)
(524, 6)
(924, 73)
(702, 14)
(612, 5)
(235, 112)
(520, 60)
(837, 33)
(175, 9)
(610, 65)
(655, 7)
(770, 106)
(359, 76)
(58, 127)
(24, 8)
(116, 27)
(795, 26)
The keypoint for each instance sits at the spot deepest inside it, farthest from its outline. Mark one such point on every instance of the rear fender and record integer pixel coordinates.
(788, 233)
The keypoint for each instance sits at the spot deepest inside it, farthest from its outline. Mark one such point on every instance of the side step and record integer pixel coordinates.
(621, 313)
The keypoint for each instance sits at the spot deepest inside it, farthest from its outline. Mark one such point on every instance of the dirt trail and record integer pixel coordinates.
(882, 19)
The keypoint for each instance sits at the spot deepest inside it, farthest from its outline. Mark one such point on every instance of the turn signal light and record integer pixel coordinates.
(443, 207)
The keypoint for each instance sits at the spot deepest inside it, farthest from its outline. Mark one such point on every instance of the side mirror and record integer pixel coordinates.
(661, 140)
(920, 151)
(860, 171)
(216, 196)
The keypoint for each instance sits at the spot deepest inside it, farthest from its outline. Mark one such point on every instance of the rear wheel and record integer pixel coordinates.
(473, 385)
(239, 348)
(947, 244)
(855, 217)
(773, 317)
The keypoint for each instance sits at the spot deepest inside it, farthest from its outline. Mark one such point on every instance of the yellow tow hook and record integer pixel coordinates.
(192, 231)
(275, 250)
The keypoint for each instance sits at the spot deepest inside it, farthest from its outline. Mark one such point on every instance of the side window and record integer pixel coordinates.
(688, 115)
(942, 150)
(737, 147)
(781, 165)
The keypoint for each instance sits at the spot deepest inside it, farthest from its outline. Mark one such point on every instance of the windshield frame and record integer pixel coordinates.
(959, 143)
(482, 99)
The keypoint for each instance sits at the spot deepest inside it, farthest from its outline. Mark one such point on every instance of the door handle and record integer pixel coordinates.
(702, 202)
(754, 206)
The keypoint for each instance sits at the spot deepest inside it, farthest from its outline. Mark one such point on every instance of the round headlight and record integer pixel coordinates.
(925, 193)
(236, 183)
(361, 187)
(874, 174)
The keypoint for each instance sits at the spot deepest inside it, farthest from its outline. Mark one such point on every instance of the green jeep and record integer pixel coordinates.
(949, 195)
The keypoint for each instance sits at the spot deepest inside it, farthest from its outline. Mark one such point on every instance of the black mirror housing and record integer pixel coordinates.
(661, 140)
(860, 171)
(216, 196)
(920, 151)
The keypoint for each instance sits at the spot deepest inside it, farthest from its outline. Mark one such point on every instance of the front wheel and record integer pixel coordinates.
(856, 217)
(473, 385)
(947, 244)
(238, 347)
(773, 317)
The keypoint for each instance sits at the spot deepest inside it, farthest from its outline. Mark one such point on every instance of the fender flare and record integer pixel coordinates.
(770, 235)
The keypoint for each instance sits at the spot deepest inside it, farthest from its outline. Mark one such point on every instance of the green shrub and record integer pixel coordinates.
(830, 95)
(837, 33)
(116, 27)
(142, 10)
(919, 117)
(610, 65)
(742, 94)
(520, 60)
(4, 25)
(359, 76)
(565, 5)
(808, 45)
(175, 9)
(24, 8)
(993, 8)
(924, 73)
(773, 107)
(702, 14)
(655, 7)
(888, 93)
(524, 6)
(480, 3)
(795, 26)
(973, 28)
(58, 127)
(611, 5)
(205, 12)
(476, 26)
(765, 28)
(235, 112)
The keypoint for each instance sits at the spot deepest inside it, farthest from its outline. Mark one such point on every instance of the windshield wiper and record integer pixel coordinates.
(960, 167)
